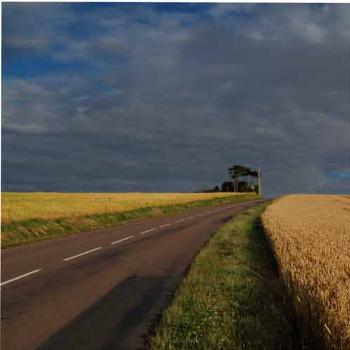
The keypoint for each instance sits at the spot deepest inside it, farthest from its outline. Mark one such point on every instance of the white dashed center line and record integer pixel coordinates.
(112, 243)
(19, 277)
(122, 240)
(180, 220)
(150, 230)
(81, 254)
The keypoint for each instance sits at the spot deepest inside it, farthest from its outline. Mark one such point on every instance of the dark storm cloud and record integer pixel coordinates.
(167, 100)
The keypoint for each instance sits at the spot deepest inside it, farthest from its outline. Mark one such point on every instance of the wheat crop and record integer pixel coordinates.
(50, 205)
(310, 236)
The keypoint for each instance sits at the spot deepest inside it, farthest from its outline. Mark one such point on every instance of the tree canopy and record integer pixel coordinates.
(242, 180)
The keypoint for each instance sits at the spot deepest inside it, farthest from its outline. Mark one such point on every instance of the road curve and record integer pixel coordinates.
(100, 289)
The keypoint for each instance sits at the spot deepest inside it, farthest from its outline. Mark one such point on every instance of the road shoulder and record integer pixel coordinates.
(232, 296)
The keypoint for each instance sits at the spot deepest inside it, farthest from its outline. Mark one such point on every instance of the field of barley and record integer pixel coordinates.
(41, 205)
(310, 236)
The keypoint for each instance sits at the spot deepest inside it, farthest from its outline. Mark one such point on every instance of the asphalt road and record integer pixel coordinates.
(100, 289)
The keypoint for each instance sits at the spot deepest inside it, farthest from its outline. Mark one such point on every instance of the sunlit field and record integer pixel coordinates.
(23, 206)
(310, 235)
(29, 217)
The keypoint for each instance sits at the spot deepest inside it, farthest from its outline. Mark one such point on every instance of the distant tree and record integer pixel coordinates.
(227, 186)
(242, 180)
(216, 189)
(211, 190)
(236, 172)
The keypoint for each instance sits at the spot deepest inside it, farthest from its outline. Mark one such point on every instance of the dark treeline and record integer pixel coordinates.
(243, 178)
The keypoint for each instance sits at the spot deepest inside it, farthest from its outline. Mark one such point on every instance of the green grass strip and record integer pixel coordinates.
(28, 231)
(232, 297)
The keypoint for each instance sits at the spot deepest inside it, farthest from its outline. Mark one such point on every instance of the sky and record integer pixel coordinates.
(165, 97)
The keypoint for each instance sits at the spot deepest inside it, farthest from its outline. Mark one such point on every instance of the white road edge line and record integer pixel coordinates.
(122, 240)
(180, 220)
(81, 254)
(150, 230)
(165, 225)
(19, 277)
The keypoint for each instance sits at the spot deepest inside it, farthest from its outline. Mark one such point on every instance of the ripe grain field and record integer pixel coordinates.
(28, 217)
(51, 205)
(310, 236)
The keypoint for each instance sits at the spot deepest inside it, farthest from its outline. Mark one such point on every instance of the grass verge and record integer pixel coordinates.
(28, 231)
(232, 297)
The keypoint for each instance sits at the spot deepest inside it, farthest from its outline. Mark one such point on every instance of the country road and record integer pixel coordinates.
(100, 289)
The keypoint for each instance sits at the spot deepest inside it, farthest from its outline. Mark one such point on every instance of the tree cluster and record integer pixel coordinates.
(243, 178)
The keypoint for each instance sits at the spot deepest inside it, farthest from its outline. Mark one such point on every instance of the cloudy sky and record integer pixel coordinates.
(164, 97)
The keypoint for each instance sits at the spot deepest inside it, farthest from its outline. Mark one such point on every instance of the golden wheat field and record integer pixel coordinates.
(310, 235)
(22, 206)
